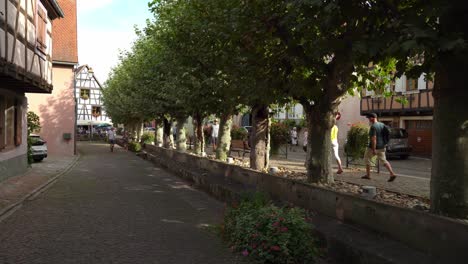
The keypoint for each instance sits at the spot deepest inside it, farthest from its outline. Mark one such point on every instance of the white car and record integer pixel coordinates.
(38, 147)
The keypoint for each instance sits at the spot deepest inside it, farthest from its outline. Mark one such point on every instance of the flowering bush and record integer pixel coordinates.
(279, 134)
(357, 140)
(269, 234)
(238, 133)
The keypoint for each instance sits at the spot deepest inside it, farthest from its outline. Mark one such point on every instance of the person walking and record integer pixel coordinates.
(335, 145)
(293, 138)
(214, 134)
(111, 138)
(376, 147)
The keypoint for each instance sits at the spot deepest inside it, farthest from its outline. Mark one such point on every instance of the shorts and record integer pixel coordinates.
(214, 140)
(380, 153)
(112, 141)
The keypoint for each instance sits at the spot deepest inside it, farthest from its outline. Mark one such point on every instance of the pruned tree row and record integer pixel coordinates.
(216, 57)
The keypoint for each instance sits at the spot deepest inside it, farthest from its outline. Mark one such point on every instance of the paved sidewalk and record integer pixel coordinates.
(414, 173)
(15, 189)
(403, 184)
(115, 208)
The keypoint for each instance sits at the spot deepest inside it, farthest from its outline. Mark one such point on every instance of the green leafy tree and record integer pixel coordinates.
(34, 123)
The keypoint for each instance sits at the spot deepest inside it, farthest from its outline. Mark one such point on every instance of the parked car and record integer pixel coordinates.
(148, 129)
(38, 147)
(398, 146)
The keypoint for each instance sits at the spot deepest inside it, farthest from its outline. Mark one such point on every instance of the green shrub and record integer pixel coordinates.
(279, 134)
(357, 140)
(269, 234)
(290, 123)
(134, 146)
(238, 133)
(147, 138)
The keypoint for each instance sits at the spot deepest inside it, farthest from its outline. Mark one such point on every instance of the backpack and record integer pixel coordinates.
(386, 134)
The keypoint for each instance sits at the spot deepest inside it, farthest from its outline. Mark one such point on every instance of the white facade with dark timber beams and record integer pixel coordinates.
(25, 67)
(88, 93)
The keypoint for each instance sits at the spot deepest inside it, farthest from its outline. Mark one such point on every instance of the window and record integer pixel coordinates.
(2, 123)
(418, 124)
(96, 111)
(11, 124)
(411, 84)
(41, 27)
(84, 94)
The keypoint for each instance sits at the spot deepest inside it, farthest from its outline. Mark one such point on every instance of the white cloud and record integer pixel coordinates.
(100, 49)
(90, 5)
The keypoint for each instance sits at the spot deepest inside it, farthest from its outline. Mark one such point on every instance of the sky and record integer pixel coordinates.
(104, 28)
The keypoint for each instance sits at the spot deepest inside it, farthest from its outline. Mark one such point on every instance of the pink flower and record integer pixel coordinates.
(245, 253)
(284, 229)
(254, 246)
(275, 224)
(281, 219)
(275, 248)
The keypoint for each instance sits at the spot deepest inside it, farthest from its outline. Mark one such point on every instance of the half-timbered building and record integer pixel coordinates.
(88, 92)
(25, 67)
(57, 110)
(411, 107)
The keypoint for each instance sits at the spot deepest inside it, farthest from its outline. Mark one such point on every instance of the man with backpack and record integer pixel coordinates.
(379, 135)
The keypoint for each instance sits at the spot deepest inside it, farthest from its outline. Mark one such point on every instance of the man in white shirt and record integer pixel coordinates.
(214, 134)
(111, 138)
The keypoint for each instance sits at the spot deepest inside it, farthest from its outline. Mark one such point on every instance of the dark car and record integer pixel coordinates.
(398, 146)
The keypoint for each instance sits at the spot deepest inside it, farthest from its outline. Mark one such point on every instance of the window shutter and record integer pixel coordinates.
(18, 123)
(2, 123)
(41, 27)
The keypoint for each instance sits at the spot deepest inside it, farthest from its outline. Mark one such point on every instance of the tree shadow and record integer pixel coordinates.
(58, 118)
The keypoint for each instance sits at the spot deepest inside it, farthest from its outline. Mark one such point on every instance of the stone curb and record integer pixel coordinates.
(10, 209)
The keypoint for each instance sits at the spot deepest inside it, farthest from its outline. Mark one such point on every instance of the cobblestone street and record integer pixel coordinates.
(115, 208)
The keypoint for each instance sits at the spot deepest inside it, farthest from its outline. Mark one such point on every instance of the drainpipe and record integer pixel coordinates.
(76, 108)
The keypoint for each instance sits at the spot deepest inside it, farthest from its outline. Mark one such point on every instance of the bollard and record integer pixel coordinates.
(368, 192)
(230, 160)
(273, 170)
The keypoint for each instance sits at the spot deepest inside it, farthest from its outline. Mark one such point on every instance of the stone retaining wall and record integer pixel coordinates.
(434, 235)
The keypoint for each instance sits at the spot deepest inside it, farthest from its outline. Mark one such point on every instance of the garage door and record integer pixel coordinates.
(420, 136)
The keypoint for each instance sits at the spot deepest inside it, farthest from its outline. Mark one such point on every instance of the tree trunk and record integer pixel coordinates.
(139, 131)
(159, 137)
(224, 137)
(449, 179)
(320, 120)
(181, 142)
(199, 138)
(259, 132)
(168, 139)
(268, 145)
